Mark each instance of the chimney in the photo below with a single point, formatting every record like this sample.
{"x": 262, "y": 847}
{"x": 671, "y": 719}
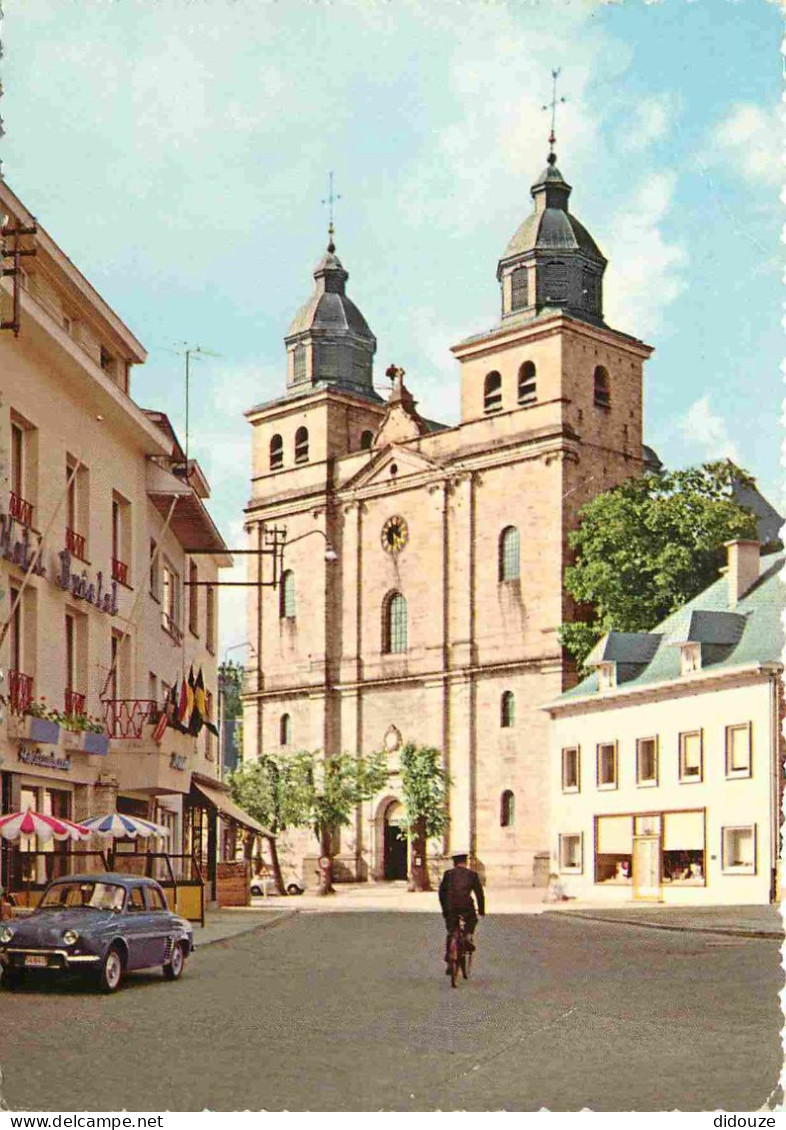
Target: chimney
{"x": 743, "y": 567}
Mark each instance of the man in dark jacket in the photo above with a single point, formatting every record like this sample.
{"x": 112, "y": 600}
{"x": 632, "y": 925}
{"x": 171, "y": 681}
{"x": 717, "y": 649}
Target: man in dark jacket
{"x": 455, "y": 897}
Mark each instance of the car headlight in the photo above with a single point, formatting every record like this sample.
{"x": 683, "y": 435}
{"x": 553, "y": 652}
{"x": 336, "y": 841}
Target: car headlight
{"x": 70, "y": 937}
{"x": 6, "y": 934}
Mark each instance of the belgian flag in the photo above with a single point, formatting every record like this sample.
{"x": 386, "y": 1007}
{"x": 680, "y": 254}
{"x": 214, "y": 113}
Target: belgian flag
{"x": 203, "y": 704}
{"x": 194, "y": 723}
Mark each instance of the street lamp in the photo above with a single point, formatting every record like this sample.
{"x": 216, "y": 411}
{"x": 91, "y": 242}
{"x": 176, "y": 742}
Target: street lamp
{"x": 330, "y": 554}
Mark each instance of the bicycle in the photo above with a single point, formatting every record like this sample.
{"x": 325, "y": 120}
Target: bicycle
{"x": 459, "y": 957}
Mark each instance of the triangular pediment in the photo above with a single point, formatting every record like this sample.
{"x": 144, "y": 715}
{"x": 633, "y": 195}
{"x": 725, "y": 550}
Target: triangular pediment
{"x": 380, "y": 467}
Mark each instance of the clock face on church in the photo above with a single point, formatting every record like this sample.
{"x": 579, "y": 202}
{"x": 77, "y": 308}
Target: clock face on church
{"x": 394, "y": 534}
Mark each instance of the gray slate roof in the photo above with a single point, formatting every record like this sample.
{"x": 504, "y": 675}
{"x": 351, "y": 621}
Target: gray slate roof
{"x": 757, "y": 638}
{"x": 552, "y": 230}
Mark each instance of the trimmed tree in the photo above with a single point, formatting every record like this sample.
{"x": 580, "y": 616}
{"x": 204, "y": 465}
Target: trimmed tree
{"x": 424, "y": 786}
{"x": 259, "y": 788}
{"x": 649, "y": 545}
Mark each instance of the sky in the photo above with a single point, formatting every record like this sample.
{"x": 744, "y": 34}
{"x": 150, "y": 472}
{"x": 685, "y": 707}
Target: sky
{"x": 179, "y": 151}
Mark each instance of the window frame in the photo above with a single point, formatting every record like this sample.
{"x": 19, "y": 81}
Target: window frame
{"x": 193, "y": 598}
{"x": 607, "y": 785}
{"x": 691, "y": 779}
{"x": 744, "y": 868}
{"x": 285, "y": 729}
{"x": 210, "y": 619}
{"x": 492, "y": 392}
{"x": 154, "y": 572}
{"x": 601, "y": 387}
{"x": 287, "y": 602}
{"x": 301, "y": 449}
{"x": 505, "y": 558}
{"x": 733, "y": 774}
{"x": 276, "y": 452}
{"x": 507, "y": 809}
{"x": 574, "y": 749}
{"x": 653, "y": 781}
{"x": 393, "y": 633}
{"x": 507, "y": 710}
{"x": 527, "y": 386}
{"x": 567, "y": 868}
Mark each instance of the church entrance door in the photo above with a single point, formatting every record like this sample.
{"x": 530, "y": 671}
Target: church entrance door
{"x": 395, "y": 848}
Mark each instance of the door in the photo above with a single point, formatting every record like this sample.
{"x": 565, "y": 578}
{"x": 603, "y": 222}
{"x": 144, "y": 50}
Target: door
{"x": 646, "y": 868}
{"x": 160, "y": 926}
{"x": 395, "y": 845}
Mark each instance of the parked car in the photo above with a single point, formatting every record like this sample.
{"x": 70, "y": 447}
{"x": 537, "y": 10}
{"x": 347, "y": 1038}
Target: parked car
{"x": 104, "y": 924}
{"x": 265, "y": 884}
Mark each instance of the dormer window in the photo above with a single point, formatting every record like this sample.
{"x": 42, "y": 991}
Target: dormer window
{"x": 607, "y": 676}
{"x": 690, "y": 658}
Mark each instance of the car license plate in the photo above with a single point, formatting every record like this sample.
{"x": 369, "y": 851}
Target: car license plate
{"x": 36, "y": 959}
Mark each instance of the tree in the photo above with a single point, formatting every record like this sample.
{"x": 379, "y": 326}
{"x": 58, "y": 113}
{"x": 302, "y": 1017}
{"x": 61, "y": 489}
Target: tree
{"x": 649, "y": 545}
{"x": 230, "y": 688}
{"x": 259, "y": 788}
{"x": 424, "y": 786}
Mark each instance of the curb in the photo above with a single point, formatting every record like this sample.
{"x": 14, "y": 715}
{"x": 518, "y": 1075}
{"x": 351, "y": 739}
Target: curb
{"x": 727, "y": 931}
{"x": 257, "y": 928}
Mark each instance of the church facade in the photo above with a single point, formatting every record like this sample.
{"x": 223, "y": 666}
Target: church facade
{"x": 427, "y": 606}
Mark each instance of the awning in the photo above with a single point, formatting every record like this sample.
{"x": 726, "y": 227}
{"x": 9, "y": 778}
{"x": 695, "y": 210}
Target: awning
{"x": 226, "y": 807}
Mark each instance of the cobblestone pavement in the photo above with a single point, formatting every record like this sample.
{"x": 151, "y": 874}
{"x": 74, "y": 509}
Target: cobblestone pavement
{"x": 352, "y": 1012}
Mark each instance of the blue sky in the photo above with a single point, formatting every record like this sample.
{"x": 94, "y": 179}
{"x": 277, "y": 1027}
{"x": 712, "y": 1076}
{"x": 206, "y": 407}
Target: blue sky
{"x": 179, "y": 152}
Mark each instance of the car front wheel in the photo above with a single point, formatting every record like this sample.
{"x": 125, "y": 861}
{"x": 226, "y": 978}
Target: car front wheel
{"x": 111, "y": 971}
{"x": 173, "y": 970}
{"x": 294, "y": 889}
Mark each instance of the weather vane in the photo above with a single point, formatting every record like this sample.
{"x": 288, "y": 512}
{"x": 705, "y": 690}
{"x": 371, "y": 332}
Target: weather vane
{"x": 330, "y": 200}
{"x": 552, "y": 105}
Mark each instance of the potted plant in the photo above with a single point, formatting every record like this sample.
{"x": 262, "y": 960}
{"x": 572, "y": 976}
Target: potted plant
{"x": 40, "y": 723}
{"x": 87, "y": 734}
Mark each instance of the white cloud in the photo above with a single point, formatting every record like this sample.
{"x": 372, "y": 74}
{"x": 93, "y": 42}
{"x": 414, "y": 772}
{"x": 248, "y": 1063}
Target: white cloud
{"x": 748, "y": 141}
{"x": 707, "y": 432}
{"x": 650, "y": 121}
{"x": 645, "y": 272}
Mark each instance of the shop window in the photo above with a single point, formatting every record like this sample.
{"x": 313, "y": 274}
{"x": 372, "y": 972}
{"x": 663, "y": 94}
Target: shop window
{"x": 507, "y": 710}
{"x": 647, "y": 761}
{"x": 614, "y": 849}
{"x": 509, "y": 554}
{"x": 286, "y": 605}
{"x": 691, "y": 756}
{"x": 492, "y": 392}
{"x": 683, "y": 848}
{"x": 739, "y": 849}
{"x": 285, "y": 730}
{"x": 738, "y": 751}
{"x": 570, "y": 853}
{"x": 276, "y": 453}
{"x": 601, "y": 387}
{"x": 607, "y": 765}
{"x": 507, "y": 810}
{"x": 527, "y": 383}
{"x": 570, "y": 770}
{"x": 301, "y": 445}
{"x": 394, "y": 624}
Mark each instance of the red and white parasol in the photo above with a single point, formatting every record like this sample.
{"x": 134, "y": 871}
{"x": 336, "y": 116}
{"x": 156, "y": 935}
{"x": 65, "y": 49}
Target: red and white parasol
{"x": 31, "y": 823}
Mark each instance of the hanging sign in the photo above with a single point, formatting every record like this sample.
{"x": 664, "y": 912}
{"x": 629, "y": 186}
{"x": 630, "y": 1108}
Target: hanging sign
{"x": 32, "y": 755}
{"x": 178, "y": 761}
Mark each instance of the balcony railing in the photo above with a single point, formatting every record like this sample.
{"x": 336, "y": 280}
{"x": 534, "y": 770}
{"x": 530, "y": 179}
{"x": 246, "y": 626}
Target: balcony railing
{"x": 74, "y": 703}
{"x": 125, "y": 717}
{"x": 19, "y": 509}
{"x": 75, "y": 543}
{"x": 119, "y": 571}
{"x": 20, "y": 691}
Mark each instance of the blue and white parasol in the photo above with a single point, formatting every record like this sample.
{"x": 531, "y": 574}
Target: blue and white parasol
{"x": 118, "y": 824}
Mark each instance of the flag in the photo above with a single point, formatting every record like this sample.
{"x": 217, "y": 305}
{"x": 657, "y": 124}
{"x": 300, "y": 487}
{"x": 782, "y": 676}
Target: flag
{"x": 161, "y": 725}
{"x": 171, "y": 707}
{"x": 189, "y": 690}
{"x": 183, "y": 708}
{"x": 200, "y": 707}
{"x": 208, "y": 707}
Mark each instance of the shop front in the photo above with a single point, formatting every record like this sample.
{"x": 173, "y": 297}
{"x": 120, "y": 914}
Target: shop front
{"x": 221, "y": 836}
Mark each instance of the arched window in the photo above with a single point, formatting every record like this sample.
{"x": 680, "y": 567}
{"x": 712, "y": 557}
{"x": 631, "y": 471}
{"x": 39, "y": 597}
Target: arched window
{"x": 366, "y": 441}
{"x": 507, "y": 809}
{"x": 519, "y": 291}
{"x": 285, "y": 730}
{"x": 602, "y": 388}
{"x": 507, "y": 710}
{"x": 492, "y": 392}
{"x": 301, "y": 445}
{"x": 276, "y": 453}
{"x": 286, "y": 607}
{"x": 527, "y": 383}
{"x": 394, "y": 625}
{"x": 509, "y": 569}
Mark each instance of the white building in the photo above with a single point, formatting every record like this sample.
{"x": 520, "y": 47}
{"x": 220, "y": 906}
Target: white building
{"x": 667, "y": 761}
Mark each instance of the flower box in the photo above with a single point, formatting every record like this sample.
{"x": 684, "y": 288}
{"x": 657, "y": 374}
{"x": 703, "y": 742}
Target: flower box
{"x": 29, "y": 728}
{"x": 87, "y": 741}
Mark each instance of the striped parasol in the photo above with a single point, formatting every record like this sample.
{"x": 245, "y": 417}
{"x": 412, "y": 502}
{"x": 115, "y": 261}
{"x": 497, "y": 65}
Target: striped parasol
{"x": 119, "y": 824}
{"x": 30, "y": 823}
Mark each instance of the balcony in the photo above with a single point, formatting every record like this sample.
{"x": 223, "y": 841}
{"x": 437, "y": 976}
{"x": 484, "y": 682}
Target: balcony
{"x": 126, "y": 717}
{"x": 20, "y": 510}
{"x": 74, "y": 703}
{"x": 75, "y": 544}
{"x": 20, "y": 692}
{"x": 119, "y": 571}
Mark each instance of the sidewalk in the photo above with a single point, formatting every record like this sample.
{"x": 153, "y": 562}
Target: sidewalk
{"x": 734, "y": 921}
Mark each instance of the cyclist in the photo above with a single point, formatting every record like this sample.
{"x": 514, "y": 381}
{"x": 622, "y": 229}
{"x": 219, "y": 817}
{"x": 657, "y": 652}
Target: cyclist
{"x": 458, "y": 886}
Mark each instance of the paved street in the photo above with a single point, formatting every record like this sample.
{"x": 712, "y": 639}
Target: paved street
{"x": 351, "y": 1012}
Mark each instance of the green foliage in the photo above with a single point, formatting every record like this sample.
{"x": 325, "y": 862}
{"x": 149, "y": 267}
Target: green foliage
{"x": 256, "y": 787}
{"x": 424, "y": 786}
{"x": 649, "y": 545}
{"x": 230, "y": 678}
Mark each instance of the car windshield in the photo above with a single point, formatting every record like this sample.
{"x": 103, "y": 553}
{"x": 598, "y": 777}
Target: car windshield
{"x": 89, "y": 895}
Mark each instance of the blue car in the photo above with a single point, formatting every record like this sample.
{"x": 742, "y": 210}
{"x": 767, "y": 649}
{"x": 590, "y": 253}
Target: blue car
{"x": 104, "y": 924}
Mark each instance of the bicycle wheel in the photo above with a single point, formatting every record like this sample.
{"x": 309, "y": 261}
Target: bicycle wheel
{"x": 467, "y": 965}
{"x": 453, "y": 963}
